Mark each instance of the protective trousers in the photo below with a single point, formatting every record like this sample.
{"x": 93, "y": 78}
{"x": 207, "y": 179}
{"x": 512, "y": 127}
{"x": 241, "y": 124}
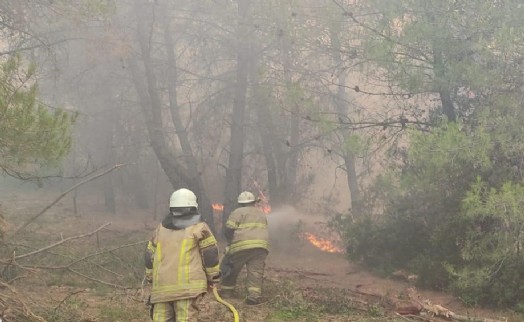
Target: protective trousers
{"x": 177, "y": 311}
{"x": 255, "y": 261}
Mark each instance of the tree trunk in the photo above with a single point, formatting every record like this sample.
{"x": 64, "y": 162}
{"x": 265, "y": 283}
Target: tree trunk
{"x": 440, "y": 77}
{"x": 181, "y": 170}
{"x": 152, "y": 105}
{"x": 341, "y": 103}
{"x": 179, "y": 174}
{"x": 196, "y": 184}
{"x": 267, "y": 130}
{"x": 442, "y": 88}
{"x": 139, "y": 191}
{"x": 108, "y": 127}
{"x": 281, "y": 159}
{"x": 236, "y": 155}
{"x": 290, "y": 162}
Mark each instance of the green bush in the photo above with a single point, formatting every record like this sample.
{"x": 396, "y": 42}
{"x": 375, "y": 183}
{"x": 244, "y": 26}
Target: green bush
{"x": 450, "y": 211}
{"x": 492, "y": 269}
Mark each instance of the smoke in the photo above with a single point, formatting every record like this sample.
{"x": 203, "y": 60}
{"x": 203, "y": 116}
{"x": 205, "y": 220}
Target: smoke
{"x": 292, "y": 232}
{"x": 285, "y": 226}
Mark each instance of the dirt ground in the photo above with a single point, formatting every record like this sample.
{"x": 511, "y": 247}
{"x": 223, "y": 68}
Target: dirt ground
{"x": 293, "y": 262}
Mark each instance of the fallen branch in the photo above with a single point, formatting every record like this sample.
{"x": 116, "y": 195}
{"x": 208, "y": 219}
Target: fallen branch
{"x": 68, "y": 267}
{"x": 61, "y": 242}
{"x": 65, "y": 299}
{"x": 73, "y": 260}
{"x": 62, "y": 195}
{"x": 13, "y": 307}
{"x": 96, "y": 279}
{"x": 440, "y": 311}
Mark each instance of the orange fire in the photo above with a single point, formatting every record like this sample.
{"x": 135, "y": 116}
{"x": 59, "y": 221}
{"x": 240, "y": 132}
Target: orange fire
{"x": 263, "y": 200}
{"x": 218, "y": 207}
{"x": 265, "y": 208}
{"x": 322, "y": 244}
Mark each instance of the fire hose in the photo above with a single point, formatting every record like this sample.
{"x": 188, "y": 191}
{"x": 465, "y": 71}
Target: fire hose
{"x": 217, "y": 297}
{"x": 226, "y": 304}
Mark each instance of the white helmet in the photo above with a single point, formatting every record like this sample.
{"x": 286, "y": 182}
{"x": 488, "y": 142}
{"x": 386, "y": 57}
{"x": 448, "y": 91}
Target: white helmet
{"x": 183, "y": 198}
{"x": 246, "y": 197}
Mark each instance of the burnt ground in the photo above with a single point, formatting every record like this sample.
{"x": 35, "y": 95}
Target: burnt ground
{"x": 303, "y": 283}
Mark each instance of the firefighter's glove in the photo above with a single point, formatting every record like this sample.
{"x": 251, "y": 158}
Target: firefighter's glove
{"x": 213, "y": 282}
{"x": 211, "y": 285}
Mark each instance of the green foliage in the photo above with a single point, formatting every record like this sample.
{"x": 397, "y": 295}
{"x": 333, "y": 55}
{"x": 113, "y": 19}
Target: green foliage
{"x": 353, "y": 143}
{"x": 492, "y": 245}
{"x": 31, "y": 135}
{"x": 448, "y": 209}
{"x": 292, "y": 302}
{"x": 86, "y": 8}
{"x": 424, "y": 198}
{"x": 435, "y": 161}
{"x": 424, "y": 47}
{"x": 453, "y": 215}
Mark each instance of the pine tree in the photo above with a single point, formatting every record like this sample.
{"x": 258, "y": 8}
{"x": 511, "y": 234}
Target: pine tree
{"x": 32, "y": 136}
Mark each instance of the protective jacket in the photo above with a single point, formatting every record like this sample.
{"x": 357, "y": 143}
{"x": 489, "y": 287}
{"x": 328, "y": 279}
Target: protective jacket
{"x": 246, "y": 228}
{"x": 181, "y": 259}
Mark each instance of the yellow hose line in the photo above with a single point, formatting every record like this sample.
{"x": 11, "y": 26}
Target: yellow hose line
{"x": 228, "y": 305}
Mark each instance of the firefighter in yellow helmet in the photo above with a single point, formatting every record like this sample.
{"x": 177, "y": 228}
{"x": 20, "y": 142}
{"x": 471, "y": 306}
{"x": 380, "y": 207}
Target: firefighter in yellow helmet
{"x": 247, "y": 237}
{"x": 181, "y": 261}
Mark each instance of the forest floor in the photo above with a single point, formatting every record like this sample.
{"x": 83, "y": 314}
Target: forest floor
{"x": 80, "y": 280}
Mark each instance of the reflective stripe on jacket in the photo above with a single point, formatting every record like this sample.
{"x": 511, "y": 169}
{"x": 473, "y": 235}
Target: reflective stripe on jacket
{"x": 178, "y": 270}
{"x": 250, "y": 226}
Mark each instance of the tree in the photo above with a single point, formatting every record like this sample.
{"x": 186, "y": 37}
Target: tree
{"x": 445, "y": 207}
{"x": 445, "y": 50}
{"x": 180, "y": 166}
{"x": 32, "y": 136}
{"x": 233, "y": 180}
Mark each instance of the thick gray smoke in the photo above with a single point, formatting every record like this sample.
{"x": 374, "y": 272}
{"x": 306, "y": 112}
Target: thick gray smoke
{"x": 285, "y": 227}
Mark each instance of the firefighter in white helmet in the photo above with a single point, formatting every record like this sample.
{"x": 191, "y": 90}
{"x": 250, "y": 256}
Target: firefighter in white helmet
{"x": 247, "y": 237}
{"x": 181, "y": 261}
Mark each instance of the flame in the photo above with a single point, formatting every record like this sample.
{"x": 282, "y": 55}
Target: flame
{"x": 265, "y": 208}
{"x": 263, "y": 203}
{"x": 218, "y": 207}
{"x": 322, "y": 244}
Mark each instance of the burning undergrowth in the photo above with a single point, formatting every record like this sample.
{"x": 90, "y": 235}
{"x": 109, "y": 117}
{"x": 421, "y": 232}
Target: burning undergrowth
{"x": 291, "y": 230}
{"x": 324, "y": 244}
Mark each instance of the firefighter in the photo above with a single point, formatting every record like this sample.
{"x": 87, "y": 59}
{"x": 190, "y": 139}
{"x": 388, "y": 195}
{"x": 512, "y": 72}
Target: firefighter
{"x": 181, "y": 261}
{"x": 247, "y": 238}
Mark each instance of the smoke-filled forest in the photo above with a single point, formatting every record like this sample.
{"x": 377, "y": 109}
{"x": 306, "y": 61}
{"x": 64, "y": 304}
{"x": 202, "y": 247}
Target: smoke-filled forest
{"x": 383, "y": 140}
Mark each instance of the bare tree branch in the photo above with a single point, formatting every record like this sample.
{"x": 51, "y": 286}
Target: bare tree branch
{"x": 96, "y": 279}
{"x": 17, "y": 50}
{"x": 77, "y": 260}
{"x": 61, "y": 242}
{"x": 68, "y": 296}
{"x": 63, "y": 195}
